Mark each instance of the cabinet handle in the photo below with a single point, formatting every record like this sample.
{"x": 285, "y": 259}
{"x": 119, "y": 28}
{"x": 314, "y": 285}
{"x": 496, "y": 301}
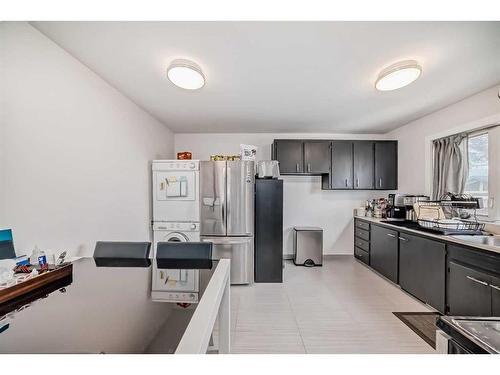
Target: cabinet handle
{"x": 297, "y": 167}
{"x": 495, "y": 287}
{"x": 309, "y": 167}
{"x": 346, "y": 183}
{"x": 392, "y": 235}
{"x": 380, "y": 182}
{"x": 477, "y": 281}
{"x": 357, "y": 182}
{"x": 403, "y": 239}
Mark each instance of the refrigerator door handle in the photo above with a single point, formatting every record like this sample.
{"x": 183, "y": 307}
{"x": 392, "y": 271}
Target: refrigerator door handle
{"x": 227, "y": 217}
{"x": 223, "y": 203}
{"x": 232, "y": 241}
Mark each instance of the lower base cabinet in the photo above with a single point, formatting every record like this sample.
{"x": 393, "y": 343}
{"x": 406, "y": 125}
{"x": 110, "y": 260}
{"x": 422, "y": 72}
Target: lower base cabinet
{"x": 362, "y": 255}
{"x": 384, "y": 252}
{"x": 469, "y": 291}
{"x": 453, "y": 279}
{"x": 422, "y": 269}
{"x": 495, "y": 296}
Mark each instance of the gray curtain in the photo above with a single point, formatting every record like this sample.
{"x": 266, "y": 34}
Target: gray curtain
{"x": 451, "y": 165}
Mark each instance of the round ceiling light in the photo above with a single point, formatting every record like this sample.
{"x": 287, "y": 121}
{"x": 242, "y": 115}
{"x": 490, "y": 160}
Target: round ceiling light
{"x": 398, "y": 75}
{"x": 186, "y": 74}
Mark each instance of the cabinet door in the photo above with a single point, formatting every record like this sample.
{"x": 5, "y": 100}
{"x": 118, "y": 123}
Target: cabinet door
{"x": 363, "y": 165}
{"x": 495, "y": 296}
{"x": 268, "y": 230}
{"x": 290, "y": 156}
{"x": 384, "y": 252}
{"x": 317, "y": 157}
{"x": 342, "y": 165}
{"x": 422, "y": 269}
{"x": 386, "y": 165}
{"x": 469, "y": 293}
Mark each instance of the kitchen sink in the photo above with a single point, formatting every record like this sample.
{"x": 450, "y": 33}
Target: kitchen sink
{"x": 483, "y": 240}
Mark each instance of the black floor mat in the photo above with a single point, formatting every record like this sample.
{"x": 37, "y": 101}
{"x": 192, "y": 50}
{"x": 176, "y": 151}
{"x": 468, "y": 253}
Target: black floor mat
{"x": 422, "y": 323}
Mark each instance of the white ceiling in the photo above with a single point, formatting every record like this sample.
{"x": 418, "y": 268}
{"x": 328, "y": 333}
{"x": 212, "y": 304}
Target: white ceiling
{"x": 286, "y": 76}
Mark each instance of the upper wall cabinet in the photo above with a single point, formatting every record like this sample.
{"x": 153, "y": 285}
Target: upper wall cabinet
{"x": 343, "y": 164}
{"x": 290, "y": 154}
{"x": 302, "y": 157}
{"x": 317, "y": 157}
{"x": 386, "y": 165}
{"x": 364, "y": 165}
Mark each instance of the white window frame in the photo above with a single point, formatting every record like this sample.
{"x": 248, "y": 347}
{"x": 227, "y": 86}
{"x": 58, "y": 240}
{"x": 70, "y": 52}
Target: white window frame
{"x": 490, "y": 215}
{"x": 492, "y": 122}
{"x": 494, "y": 174}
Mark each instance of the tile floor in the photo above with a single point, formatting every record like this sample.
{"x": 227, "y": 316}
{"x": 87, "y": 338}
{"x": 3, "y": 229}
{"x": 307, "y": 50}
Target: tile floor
{"x": 342, "y": 307}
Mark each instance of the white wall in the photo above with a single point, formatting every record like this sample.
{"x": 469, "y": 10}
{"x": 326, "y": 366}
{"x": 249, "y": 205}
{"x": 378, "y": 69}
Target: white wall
{"x": 414, "y": 138}
{"x": 305, "y": 204}
{"x": 75, "y": 152}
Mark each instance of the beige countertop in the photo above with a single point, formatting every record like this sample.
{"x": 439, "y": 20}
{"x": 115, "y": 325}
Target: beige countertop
{"x": 451, "y": 239}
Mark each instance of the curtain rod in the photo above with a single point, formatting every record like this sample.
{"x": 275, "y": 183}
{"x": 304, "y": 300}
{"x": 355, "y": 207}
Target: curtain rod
{"x": 486, "y": 127}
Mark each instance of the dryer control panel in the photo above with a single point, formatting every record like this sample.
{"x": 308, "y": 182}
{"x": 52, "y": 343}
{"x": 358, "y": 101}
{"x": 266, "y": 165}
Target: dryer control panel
{"x": 176, "y": 165}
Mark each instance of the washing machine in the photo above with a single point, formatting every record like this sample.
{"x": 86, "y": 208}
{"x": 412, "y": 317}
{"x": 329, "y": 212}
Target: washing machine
{"x": 175, "y": 285}
{"x": 175, "y": 232}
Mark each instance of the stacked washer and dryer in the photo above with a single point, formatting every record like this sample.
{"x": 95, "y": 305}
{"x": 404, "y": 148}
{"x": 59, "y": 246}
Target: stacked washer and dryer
{"x": 176, "y": 218}
{"x": 211, "y": 201}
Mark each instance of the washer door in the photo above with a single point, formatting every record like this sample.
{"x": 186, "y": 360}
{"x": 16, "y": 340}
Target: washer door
{"x": 175, "y": 237}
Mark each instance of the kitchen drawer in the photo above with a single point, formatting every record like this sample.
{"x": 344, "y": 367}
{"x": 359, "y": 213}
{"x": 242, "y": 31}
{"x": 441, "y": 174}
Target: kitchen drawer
{"x": 361, "y": 233}
{"x": 362, "y": 244}
{"x": 362, "y": 224}
{"x": 362, "y": 255}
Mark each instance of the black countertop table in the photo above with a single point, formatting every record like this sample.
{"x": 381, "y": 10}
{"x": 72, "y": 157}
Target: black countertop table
{"x": 100, "y": 309}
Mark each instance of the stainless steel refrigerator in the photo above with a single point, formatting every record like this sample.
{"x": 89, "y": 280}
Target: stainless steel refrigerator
{"x": 227, "y": 214}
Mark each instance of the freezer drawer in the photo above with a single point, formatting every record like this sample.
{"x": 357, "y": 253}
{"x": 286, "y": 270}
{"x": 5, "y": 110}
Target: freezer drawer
{"x": 240, "y": 250}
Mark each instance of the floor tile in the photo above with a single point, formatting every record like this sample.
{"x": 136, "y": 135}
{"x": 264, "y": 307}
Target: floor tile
{"x": 342, "y": 307}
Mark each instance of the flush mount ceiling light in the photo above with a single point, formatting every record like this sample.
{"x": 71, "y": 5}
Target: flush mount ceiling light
{"x": 398, "y": 75}
{"x": 186, "y": 74}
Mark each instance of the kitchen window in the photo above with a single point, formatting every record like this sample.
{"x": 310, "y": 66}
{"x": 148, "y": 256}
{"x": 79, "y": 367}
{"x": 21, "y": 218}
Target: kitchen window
{"x": 478, "y": 177}
{"x": 483, "y": 179}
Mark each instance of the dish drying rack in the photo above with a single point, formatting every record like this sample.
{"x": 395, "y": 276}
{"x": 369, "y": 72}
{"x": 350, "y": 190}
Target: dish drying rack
{"x": 449, "y": 215}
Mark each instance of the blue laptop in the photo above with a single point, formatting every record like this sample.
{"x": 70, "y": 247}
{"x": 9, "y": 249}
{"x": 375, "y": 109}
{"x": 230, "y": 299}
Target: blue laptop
{"x": 6, "y": 244}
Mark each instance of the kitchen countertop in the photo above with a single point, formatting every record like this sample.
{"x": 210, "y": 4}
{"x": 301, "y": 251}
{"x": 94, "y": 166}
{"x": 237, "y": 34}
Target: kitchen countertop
{"x": 451, "y": 239}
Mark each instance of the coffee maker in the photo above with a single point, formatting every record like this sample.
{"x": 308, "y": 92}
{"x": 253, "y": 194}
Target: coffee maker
{"x": 397, "y": 207}
{"x": 401, "y": 205}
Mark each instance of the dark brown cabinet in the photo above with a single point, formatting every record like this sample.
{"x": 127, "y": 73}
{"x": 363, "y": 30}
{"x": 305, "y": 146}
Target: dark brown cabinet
{"x": 268, "y": 231}
{"x": 469, "y": 291}
{"x": 473, "y": 285}
{"x": 384, "y": 252}
{"x": 495, "y": 296}
{"x": 386, "y": 165}
{"x": 342, "y": 165}
{"x": 454, "y": 279}
{"x": 364, "y": 164}
{"x": 362, "y": 241}
{"x": 290, "y": 154}
{"x": 422, "y": 269}
{"x": 317, "y": 157}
